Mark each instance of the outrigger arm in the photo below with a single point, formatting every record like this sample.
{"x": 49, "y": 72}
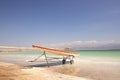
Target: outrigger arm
{"x": 44, "y": 54}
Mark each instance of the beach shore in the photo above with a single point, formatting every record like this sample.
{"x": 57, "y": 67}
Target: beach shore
{"x": 95, "y": 70}
{"x": 80, "y": 70}
{"x": 10, "y": 71}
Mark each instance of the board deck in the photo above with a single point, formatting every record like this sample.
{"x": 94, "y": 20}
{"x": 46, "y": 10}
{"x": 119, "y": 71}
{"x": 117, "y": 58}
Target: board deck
{"x": 54, "y": 51}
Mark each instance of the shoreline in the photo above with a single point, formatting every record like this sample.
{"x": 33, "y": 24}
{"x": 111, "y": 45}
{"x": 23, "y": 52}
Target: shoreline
{"x": 9, "y": 71}
{"x": 80, "y": 70}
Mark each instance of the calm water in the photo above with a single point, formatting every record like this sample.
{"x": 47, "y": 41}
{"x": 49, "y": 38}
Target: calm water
{"x": 112, "y": 55}
{"x": 109, "y": 55}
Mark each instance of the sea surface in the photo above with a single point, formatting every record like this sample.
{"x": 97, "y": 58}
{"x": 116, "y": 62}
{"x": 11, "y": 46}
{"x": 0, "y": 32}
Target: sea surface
{"x": 108, "y": 55}
{"x": 97, "y": 55}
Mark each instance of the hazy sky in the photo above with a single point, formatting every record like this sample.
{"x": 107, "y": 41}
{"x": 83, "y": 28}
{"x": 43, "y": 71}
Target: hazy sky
{"x": 27, "y": 22}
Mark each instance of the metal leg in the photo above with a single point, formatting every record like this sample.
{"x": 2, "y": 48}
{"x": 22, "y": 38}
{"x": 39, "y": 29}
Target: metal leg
{"x": 41, "y": 56}
{"x": 46, "y": 58}
{"x": 36, "y": 58}
{"x": 71, "y": 60}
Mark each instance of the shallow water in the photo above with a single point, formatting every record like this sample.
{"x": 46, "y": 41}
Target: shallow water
{"x": 109, "y": 55}
{"x": 23, "y": 57}
{"x": 82, "y": 68}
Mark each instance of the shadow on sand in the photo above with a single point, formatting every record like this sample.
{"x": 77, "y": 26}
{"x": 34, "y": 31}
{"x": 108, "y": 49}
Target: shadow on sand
{"x": 54, "y": 63}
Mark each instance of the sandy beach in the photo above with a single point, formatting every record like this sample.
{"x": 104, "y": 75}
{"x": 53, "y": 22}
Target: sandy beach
{"x": 13, "y": 72}
{"x": 95, "y": 70}
{"x": 80, "y": 70}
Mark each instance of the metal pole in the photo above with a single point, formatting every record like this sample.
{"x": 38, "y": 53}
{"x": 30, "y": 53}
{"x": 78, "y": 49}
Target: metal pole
{"x": 46, "y": 58}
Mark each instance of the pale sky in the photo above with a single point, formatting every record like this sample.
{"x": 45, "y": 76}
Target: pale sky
{"x": 44, "y": 22}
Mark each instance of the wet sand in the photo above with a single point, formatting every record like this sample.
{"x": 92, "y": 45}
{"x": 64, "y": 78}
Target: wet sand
{"x": 82, "y": 69}
{"x": 95, "y": 70}
{"x": 13, "y": 72}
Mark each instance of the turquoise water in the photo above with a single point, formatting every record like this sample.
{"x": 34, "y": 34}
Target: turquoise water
{"x": 112, "y": 55}
{"x": 109, "y": 55}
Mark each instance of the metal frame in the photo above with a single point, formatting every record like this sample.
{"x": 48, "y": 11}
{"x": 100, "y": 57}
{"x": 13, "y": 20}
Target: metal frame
{"x": 46, "y": 58}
